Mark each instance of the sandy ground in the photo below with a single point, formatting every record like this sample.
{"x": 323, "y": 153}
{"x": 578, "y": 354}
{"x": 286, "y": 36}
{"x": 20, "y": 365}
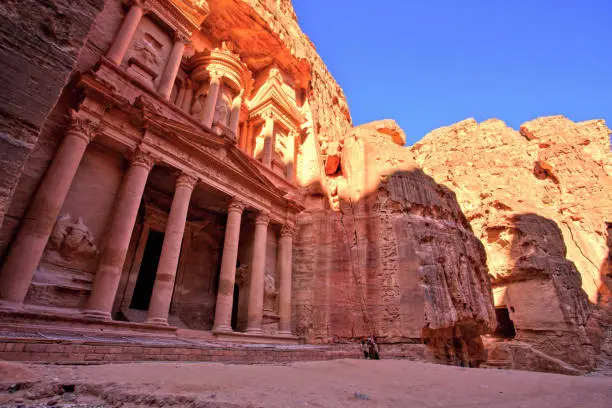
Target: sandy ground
{"x": 341, "y": 383}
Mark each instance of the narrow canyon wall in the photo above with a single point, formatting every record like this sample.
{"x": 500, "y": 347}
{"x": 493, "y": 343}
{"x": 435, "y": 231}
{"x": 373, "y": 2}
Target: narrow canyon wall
{"x": 40, "y": 42}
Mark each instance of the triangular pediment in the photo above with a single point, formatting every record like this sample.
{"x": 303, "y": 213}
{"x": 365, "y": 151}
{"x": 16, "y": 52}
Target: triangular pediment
{"x": 215, "y": 149}
{"x": 272, "y": 92}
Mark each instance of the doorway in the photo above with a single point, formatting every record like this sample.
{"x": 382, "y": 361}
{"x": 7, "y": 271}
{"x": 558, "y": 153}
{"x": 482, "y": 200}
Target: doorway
{"x": 505, "y": 327}
{"x": 235, "y": 307}
{"x": 148, "y": 271}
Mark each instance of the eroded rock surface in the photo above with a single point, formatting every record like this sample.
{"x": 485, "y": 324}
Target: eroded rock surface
{"x": 40, "y": 43}
{"x": 538, "y": 199}
{"x": 398, "y": 260}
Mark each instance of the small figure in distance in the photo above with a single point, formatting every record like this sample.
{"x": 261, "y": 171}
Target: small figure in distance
{"x": 366, "y": 349}
{"x": 373, "y": 349}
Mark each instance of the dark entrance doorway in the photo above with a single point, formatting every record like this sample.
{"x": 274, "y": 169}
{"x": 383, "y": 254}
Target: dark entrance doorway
{"x": 148, "y": 270}
{"x": 505, "y": 326}
{"x": 235, "y": 307}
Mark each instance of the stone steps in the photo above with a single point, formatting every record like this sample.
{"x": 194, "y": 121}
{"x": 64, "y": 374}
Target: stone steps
{"x": 78, "y": 348}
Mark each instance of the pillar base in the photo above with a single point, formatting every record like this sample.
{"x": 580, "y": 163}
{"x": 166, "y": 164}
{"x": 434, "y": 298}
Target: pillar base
{"x": 158, "y": 321}
{"x": 256, "y": 330}
{"x": 96, "y": 315}
{"x": 222, "y": 329}
{"x": 284, "y": 333}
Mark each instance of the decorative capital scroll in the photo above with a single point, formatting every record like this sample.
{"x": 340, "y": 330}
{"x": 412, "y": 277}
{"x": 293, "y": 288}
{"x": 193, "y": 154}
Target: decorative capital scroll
{"x": 236, "y": 205}
{"x": 288, "y": 230}
{"x": 262, "y": 218}
{"x": 141, "y": 158}
{"x": 187, "y": 181}
{"x": 83, "y": 128}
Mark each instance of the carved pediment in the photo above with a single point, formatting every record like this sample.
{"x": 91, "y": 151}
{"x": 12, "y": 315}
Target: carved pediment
{"x": 272, "y": 94}
{"x": 224, "y": 158}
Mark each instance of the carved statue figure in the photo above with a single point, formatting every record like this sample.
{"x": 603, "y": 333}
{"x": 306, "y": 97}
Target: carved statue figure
{"x": 198, "y": 105}
{"x": 72, "y": 239}
{"x": 270, "y": 293}
{"x": 222, "y": 113}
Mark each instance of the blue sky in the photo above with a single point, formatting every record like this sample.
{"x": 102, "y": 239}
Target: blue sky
{"x": 431, "y": 63}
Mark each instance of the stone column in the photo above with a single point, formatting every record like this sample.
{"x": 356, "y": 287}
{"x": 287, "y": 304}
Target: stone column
{"x": 171, "y": 250}
{"x": 117, "y": 241}
{"x": 290, "y": 154}
{"x": 242, "y": 140}
{"x": 24, "y": 254}
{"x": 172, "y": 66}
{"x": 235, "y": 115}
{"x": 225, "y": 294}
{"x": 186, "y": 103}
{"x": 268, "y": 135}
{"x": 126, "y": 32}
{"x": 285, "y": 253}
{"x": 258, "y": 263}
{"x": 208, "y": 113}
{"x": 180, "y": 96}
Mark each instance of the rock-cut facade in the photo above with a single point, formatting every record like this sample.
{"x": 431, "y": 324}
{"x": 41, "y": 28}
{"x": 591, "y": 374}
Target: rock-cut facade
{"x": 191, "y": 165}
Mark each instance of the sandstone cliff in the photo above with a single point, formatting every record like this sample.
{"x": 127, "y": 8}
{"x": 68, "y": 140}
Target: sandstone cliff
{"x": 553, "y": 167}
{"x": 397, "y": 260}
{"x": 538, "y": 199}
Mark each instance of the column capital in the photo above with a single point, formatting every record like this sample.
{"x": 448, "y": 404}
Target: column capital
{"x": 83, "y": 128}
{"x": 215, "y": 76}
{"x": 262, "y": 218}
{"x": 236, "y": 205}
{"x": 288, "y": 230}
{"x": 186, "y": 180}
{"x": 143, "y": 4}
{"x": 141, "y": 158}
{"x": 181, "y": 37}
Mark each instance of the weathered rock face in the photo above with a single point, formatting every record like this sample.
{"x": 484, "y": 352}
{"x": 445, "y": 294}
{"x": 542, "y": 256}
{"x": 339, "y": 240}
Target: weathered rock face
{"x": 40, "y": 43}
{"x": 538, "y": 199}
{"x": 398, "y": 260}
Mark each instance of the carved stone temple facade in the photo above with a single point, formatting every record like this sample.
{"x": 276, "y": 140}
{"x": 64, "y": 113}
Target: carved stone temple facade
{"x": 189, "y": 169}
{"x": 168, "y": 192}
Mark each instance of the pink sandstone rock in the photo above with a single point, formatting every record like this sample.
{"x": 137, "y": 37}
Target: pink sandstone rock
{"x": 538, "y": 199}
{"x": 398, "y": 260}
